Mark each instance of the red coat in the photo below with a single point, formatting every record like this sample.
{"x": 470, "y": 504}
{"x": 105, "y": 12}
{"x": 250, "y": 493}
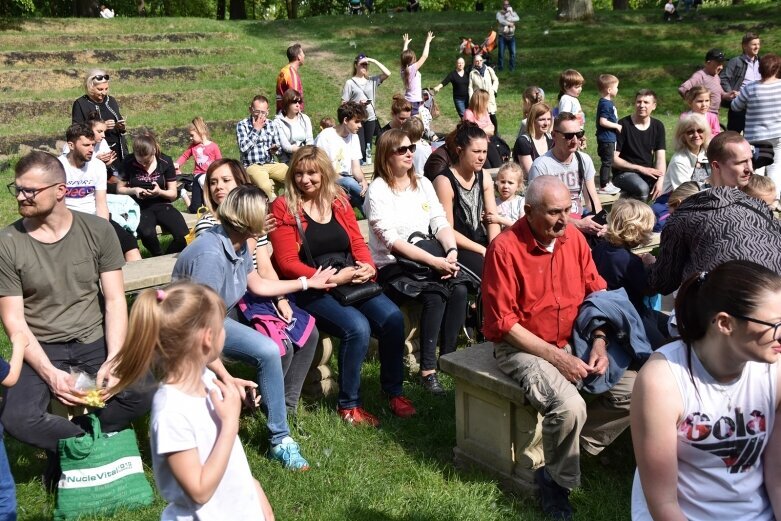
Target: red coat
{"x": 287, "y": 242}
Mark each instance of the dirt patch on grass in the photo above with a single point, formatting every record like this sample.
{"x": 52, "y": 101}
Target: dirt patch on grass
{"x": 62, "y": 79}
{"x": 46, "y": 59}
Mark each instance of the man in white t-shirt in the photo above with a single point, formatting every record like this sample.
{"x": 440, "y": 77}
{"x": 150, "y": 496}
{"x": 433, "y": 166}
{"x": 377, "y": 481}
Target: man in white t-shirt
{"x": 343, "y": 147}
{"x": 86, "y": 179}
{"x": 574, "y": 168}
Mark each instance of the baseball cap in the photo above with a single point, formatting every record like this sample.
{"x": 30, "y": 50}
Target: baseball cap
{"x": 714, "y": 54}
{"x": 361, "y": 58}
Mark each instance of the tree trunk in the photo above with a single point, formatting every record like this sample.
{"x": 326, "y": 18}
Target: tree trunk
{"x": 620, "y": 5}
{"x": 238, "y": 10}
{"x": 573, "y": 10}
{"x": 292, "y": 8}
{"x": 220, "y": 9}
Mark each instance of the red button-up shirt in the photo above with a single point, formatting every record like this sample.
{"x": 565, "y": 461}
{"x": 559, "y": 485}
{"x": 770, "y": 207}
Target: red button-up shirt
{"x": 523, "y": 283}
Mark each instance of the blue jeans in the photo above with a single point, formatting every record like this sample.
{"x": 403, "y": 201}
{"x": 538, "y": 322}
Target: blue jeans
{"x": 353, "y": 189}
{"x": 7, "y": 488}
{"x": 353, "y": 325}
{"x": 460, "y": 105}
{"x": 245, "y": 344}
{"x": 509, "y": 44}
{"x": 634, "y": 185}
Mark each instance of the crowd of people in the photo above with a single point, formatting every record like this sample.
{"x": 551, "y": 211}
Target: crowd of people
{"x": 512, "y": 244}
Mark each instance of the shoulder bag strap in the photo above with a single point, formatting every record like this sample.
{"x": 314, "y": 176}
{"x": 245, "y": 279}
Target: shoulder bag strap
{"x": 374, "y": 91}
{"x": 303, "y": 240}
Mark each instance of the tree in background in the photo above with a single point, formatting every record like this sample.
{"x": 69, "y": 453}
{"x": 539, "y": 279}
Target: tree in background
{"x": 572, "y": 10}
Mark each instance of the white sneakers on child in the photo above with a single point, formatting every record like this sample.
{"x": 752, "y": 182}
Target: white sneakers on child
{"x": 609, "y": 189}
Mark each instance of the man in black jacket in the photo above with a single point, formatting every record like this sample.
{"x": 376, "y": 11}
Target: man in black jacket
{"x": 739, "y": 71}
{"x": 718, "y": 224}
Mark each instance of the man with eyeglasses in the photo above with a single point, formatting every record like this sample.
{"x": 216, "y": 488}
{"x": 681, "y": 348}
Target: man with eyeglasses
{"x": 61, "y": 287}
{"x": 719, "y": 224}
{"x": 639, "y": 160}
{"x": 574, "y": 168}
{"x": 258, "y": 139}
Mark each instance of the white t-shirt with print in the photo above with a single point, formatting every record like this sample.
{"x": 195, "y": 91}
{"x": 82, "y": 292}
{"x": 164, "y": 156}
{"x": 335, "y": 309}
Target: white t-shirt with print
{"x": 182, "y": 422}
{"x": 547, "y": 164}
{"x": 82, "y": 183}
{"x": 342, "y": 151}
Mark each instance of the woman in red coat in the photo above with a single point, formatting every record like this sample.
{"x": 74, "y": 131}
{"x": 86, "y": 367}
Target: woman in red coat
{"x": 334, "y": 239}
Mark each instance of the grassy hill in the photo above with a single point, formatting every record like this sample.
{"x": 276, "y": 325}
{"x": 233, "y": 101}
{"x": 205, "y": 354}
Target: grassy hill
{"x": 166, "y": 71}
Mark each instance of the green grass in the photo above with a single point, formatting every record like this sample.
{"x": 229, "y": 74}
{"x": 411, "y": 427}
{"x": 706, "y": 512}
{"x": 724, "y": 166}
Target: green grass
{"x": 403, "y": 471}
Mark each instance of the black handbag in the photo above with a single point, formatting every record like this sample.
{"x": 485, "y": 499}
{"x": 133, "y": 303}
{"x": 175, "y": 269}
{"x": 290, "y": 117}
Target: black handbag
{"x": 418, "y": 270}
{"x": 347, "y": 294}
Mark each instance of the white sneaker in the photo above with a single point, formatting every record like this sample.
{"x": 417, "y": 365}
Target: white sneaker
{"x": 609, "y": 189}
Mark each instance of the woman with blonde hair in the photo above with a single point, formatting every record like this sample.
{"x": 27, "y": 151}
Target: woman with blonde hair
{"x": 221, "y": 258}
{"x": 316, "y": 227}
{"x": 630, "y": 225}
{"x": 477, "y": 113}
{"x": 97, "y": 99}
{"x": 537, "y": 139}
{"x": 401, "y": 208}
{"x": 689, "y": 162}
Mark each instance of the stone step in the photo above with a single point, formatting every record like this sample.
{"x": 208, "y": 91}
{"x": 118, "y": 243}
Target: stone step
{"x": 102, "y": 57}
{"x": 95, "y": 41}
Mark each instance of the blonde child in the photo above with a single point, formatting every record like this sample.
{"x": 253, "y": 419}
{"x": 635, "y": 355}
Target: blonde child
{"x": 570, "y": 86}
{"x": 9, "y": 374}
{"x": 698, "y": 99}
{"x": 630, "y": 225}
{"x": 198, "y": 461}
{"x": 509, "y": 204}
{"x": 763, "y": 188}
{"x": 204, "y": 152}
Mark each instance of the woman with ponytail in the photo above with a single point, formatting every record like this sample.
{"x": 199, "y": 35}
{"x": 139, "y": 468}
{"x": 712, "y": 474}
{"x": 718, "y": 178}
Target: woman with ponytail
{"x": 704, "y": 406}
{"x": 199, "y": 463}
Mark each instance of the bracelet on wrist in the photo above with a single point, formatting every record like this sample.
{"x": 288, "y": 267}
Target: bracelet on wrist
{"x": 449, "y": 250}
{"x": 304, "y": 283}
{"x": 601, "y": 336}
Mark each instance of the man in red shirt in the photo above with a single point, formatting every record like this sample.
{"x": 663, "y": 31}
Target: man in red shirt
{"x": 288, "y": 77}
{"x": 536, "y": 275}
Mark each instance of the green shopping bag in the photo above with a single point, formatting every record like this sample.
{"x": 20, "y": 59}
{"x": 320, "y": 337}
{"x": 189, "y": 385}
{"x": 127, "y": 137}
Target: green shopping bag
{"x": 101, "y": 473}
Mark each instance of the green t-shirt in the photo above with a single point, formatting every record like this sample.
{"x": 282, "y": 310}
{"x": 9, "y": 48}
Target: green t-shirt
{"x": 60, "y": 281}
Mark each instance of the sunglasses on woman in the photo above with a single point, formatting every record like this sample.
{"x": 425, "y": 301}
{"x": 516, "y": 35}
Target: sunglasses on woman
{"x": 403, "y": 150}
{"x": 297, "y": 100}
{"x": 693, "y": 131}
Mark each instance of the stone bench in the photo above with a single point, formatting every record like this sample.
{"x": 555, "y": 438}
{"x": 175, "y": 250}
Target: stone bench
{"x": 496, "y": 430}
{"x": 148, "y": 273}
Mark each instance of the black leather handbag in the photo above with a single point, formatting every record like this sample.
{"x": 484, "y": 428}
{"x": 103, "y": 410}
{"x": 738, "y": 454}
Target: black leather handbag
{"x": 346, "y": 294}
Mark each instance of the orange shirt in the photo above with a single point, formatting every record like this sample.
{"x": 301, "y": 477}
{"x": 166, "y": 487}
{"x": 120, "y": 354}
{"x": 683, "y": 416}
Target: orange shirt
{"x": 288, "y": 78}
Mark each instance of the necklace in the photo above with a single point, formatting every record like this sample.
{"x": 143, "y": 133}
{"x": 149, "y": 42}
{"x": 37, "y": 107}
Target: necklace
{"x": 722, "y": 389}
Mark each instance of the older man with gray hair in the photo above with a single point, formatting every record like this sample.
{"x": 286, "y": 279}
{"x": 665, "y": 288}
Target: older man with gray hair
{"x": 536, "y": 275}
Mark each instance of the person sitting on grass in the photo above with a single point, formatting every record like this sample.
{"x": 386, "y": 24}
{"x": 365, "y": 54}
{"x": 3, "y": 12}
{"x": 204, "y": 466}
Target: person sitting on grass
{"x": 199, "y": 463}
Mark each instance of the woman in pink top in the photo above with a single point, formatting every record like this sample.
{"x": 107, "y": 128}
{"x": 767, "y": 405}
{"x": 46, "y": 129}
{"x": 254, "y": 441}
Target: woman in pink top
{"x": 204, "y": 153}
{"x": 410, "y": 71}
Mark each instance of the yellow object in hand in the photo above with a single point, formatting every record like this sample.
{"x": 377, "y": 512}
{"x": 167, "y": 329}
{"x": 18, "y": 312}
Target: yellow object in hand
{"x": 93, "y": 399}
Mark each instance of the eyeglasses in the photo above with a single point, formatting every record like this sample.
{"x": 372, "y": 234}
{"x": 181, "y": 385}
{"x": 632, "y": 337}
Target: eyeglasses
{"x": 693, "y": 131}
{"x": 298, "y": 100}
{"x": 259, "y": 113}
{"x": 569, "y": 135}
{"x": 764, "y": 323}
{"x": 101, "y": 77}
{"x": 403, "y": 150}
{"x": 28, "y": 193}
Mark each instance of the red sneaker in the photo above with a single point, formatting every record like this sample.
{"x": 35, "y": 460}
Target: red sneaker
{"x": 358, "y": 416}
{"x": 401, "y": 406}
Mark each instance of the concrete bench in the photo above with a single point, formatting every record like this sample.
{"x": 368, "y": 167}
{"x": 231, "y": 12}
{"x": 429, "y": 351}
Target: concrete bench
{"x": 496, "y": 430}
{"x": 148, "y": 273}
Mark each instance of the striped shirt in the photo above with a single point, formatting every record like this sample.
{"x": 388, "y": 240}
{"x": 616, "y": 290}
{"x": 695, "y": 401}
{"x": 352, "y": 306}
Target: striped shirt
{"x": 762, "y": 103}
{"x": 208, "y": 221}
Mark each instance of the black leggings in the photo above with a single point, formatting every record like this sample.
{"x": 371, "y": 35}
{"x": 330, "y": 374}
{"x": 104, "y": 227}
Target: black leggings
{"x": 441, "y": 320}
{"x": 170, "y": 220}
{"x": 365, "y": 135}
{"x": 127, "y": 240}
{"x": 24, "y": 408}
{"x": 196, "y": 195}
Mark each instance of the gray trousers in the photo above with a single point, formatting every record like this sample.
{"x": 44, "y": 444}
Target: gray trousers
{"x": 568, "y": 421}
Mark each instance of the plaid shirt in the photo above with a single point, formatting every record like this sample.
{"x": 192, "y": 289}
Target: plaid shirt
{"x": 254, "y": 144}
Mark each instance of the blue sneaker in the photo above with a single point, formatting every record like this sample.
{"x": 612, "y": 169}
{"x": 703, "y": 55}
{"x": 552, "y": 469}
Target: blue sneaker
{"x": 288, "y": 453}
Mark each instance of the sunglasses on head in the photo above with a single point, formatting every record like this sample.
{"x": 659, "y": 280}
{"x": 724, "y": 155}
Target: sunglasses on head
{"x": 569, "y": 135}
{"x": 100, "y": 77}
{"x": 400, "y": 151}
